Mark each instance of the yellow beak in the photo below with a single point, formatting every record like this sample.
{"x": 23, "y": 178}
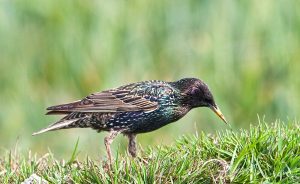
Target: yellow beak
{"x": 219, "y": 113}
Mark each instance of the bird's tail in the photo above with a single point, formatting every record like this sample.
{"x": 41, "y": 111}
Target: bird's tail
{"x": 72, "y": 120}
{"x": 58, "y": 125}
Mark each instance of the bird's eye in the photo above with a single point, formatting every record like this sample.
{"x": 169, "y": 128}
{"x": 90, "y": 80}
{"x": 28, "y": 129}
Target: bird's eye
{"x": 195, "y": 91}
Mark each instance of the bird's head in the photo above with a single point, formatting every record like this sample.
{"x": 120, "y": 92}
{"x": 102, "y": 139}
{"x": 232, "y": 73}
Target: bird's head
{"x": 199, "y": 95}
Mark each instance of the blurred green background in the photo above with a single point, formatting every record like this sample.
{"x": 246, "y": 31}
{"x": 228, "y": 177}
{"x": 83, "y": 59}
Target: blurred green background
{"x": 54, "y": 51}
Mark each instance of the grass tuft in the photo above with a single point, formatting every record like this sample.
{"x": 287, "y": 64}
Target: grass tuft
{"x": 74, "y": 153}
{"x": 264, "y": 154}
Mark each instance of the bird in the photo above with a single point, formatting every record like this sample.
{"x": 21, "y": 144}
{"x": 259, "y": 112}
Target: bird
{"x": 134, "y": 109}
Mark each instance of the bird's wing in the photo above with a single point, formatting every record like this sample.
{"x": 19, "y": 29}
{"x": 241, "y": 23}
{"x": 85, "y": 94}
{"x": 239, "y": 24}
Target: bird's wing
{"x": 116, "y": 100}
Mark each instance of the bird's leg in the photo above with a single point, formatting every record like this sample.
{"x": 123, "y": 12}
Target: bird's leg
{"x": 132, "y": 144}
{"x": 107, "y": 141}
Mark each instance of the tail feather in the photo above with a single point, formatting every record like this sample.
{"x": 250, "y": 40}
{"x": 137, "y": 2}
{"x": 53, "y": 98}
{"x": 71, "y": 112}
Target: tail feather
{"x": 56, "y": 126}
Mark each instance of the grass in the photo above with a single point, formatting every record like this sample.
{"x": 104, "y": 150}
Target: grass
{"x": 264, "y": 154}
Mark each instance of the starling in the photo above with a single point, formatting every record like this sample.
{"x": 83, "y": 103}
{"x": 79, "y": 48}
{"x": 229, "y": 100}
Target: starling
{"x": 134, "y": 108}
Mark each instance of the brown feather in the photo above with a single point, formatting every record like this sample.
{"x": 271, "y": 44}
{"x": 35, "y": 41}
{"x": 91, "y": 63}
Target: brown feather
{"x": 106, "y": 101}
{"x": 57, "y": 112}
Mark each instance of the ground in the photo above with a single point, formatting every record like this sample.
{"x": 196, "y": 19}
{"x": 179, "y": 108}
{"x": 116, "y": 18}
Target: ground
{"x": 267, "y": 153}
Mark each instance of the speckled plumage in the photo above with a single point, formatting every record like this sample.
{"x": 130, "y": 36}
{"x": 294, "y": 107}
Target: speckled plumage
{"x": 134, "y": 108}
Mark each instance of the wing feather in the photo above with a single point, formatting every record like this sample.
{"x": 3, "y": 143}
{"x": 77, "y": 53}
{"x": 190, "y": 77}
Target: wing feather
{"x": 107, "y": 101}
